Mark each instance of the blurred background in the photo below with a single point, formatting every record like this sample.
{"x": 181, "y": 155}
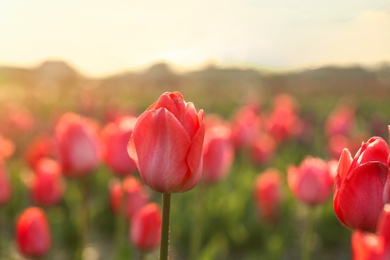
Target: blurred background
{"x": 106, "y": 59}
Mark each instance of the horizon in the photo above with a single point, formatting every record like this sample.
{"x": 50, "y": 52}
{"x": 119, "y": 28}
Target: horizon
{"x": 99, "y": 38}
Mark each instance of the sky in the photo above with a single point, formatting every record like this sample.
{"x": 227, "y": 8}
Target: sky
{"x": 102, "y": 37}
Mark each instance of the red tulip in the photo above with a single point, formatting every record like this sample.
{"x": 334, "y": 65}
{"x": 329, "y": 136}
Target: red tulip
{"x": 5, "y": 186}
{"x": 268, "y": 194}
{"x": 47, "y": 187}
{"x": 115, "y": 138}
{"x": 77, "y": 145}
{"x": 146, "y": 228}
{"x": 33, "y": 233}
{"x": 218, "y": 153}
{"x": 245, "y": 126}
{"x": 262, "y": 149}
{"x": 359, "y": 194}
{"x": 135, "y": 196}
{"x": 167, "y": 143}
{"x": 41, "y": 146}
{"x": 311, "y": 182}
{"x": 369, "y": 246}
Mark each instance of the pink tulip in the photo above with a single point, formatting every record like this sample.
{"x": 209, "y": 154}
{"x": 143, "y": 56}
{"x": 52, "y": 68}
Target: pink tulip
{"x": 33, "y": 233}
{"x": 77, "y": 145}
{"x": 115, "y": 138}
{"x": 47, "y": 187}
{"x": 218, "y": 153}
{"x": 167, "y": 143}
{"x": 370, "y": 246}
{"x": 262, "y": 149}
{"x": 5, "y": 186}
{"x": 245, "y": 126}
{"x": 359, "y": 193}
{"x": 311, "y": 182}
{"x": 146, "y": 228}
{"x": 268, "y": 195}
{"x": 135, "y": 196}
{"x": 42, "y": 146}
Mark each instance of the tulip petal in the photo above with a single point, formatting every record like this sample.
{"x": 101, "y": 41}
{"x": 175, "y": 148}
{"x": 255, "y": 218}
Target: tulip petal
{"x": 359, "y": 200}
{"x": 173, "y": 102}
{"x": 161, "y": 144}
{"x": 194, "y": 160}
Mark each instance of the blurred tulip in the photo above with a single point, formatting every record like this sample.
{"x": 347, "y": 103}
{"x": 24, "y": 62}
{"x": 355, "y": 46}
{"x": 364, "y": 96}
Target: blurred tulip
{"x": 268, "y": 195}
{"x": 115, "y": 138}
{"x": 135, "y": 196}
{"x": 369, "y": 246}
{"x": 146, "y": 228}
{"x": 5, "y": 186}
{"x": 7, "y": 148}
{"x": 42, "y": 146}
{"x": 33, "y": 233}
{"x": 78, "y": 147}
{"x": 359, "y": 194}
{"x": 311, "y": 182}
{"x": 167, "y": 143}
{"x": 218, "y": 153}
{"x": 245, "y": 126}
{"x": 47, "y": 187}
{"x": 340, "y": 121}
{"x": 262, "y": 148}
{"x": 283, "y": 121}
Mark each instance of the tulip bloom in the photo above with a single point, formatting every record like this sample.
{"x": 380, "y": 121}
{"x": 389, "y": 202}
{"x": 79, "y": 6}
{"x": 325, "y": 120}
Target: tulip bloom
{"x": 359, "y": 193}
{"x": 115, "y": 138}
{"x": 167, "y": 143}
{"x": 369, "y": 246}
{"x": 42, "y": 146}
{"x": 5, "y": 186}
{"x": 218, "y": 153}
{"x": 262, "y": 149}
{"x": 135, "y": 196}
{"x": 33, "y": 233}
{"x": 311, "y": 182}
{"x": 47, "y": 187}
{"x": 146, "y": 228}
{"x": 268, "y": 194}
{"x": 77, "y": 145}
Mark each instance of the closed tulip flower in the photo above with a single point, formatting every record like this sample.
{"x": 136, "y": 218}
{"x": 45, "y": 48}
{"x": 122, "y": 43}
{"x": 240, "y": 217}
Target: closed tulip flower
{"x": 77, "y": 145}
{"x": 268, "y": 195}
{"x": 311, "y": 182}
{"x": 359, "y": 193}
{"x": 167, "y": 143}
{"x": 218, "y": 153}
{"x": 146, "y": 228}
{"x": 115, "y": 138}
{"x": 47, "y": 187}
{"x": 33, "y": 233}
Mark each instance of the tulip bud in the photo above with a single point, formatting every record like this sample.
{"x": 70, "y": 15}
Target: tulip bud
{"x": 47, "y": 187}
{"x": 115, "y": 138}
{"x": 167, "y": 143}
{"x": 77, "y": 145}
{"x": 268, "y": 195}
{"x": 218, "y": 153}
{"x": 311, "y": 182}
{"x": 33, "y": 233}
{"x": 359, "y": 193}
{"x": 146, "y": 228}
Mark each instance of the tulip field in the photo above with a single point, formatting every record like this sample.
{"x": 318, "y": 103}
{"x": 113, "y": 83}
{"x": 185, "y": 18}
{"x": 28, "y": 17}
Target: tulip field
{"x": 173, "y": 172}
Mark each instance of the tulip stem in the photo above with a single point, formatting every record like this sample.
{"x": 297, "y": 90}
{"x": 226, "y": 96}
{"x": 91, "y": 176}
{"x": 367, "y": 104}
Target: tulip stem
{"x": 84, "y": 215}
{"x": 164, "y": 246}
{"x": 308, "y": 235}
{"x": 121, "y": 227}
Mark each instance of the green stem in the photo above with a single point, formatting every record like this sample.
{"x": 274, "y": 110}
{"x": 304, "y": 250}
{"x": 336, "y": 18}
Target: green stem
{"x": 308, "y": 235}
{"x": 164, "y": 246}
{"x": 196, "y": 234}
{"x": 84, "y": 216}
{"x": 121, "y": 228}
